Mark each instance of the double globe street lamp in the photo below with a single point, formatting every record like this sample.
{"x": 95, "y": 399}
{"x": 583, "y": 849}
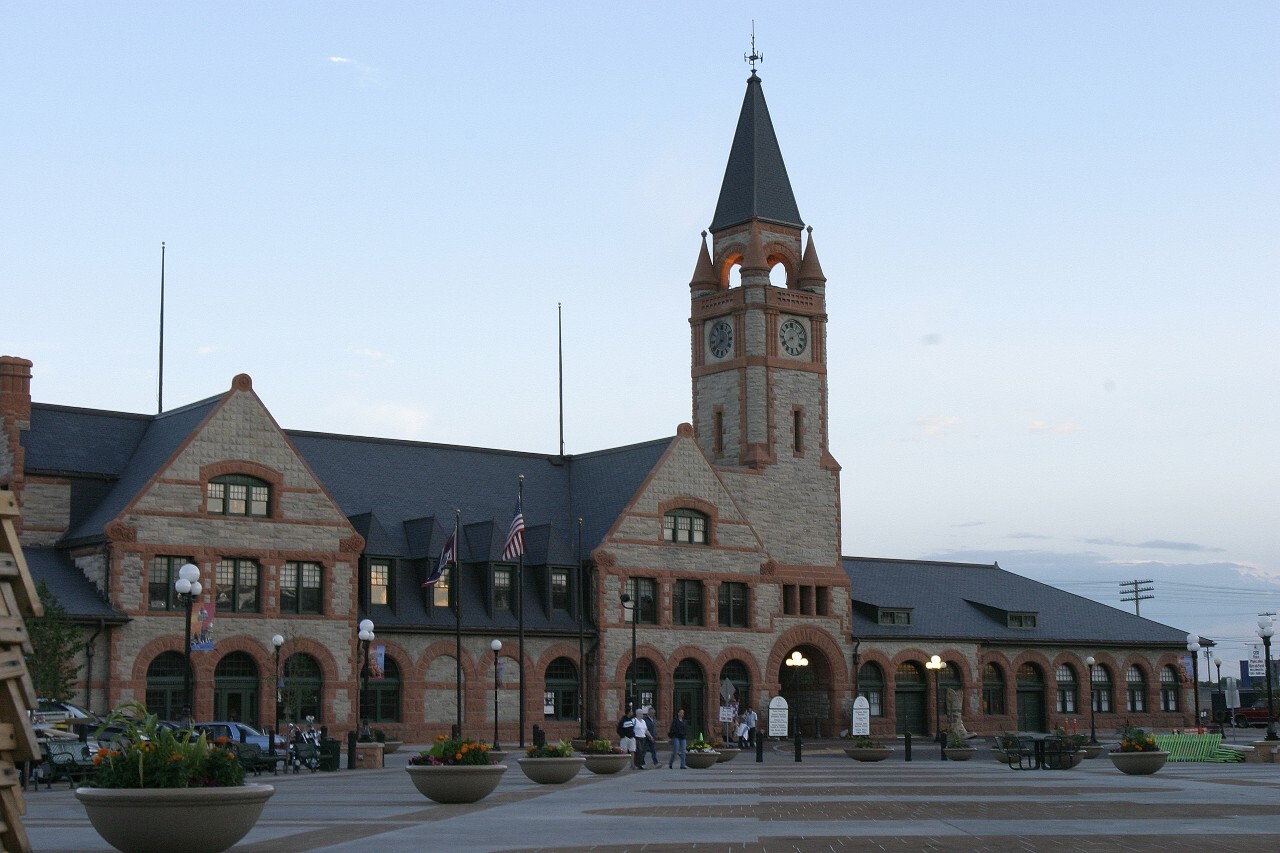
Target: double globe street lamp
{"x": 1193, "y": 646}
{"x": 188, "y": 588}
{"x": 496, "y": 645}
{"x": 277, "y": 641}
{"x": 1093, "y": 701}
{"x": 935, "y": 663}
{"x": 1266, "y": 630}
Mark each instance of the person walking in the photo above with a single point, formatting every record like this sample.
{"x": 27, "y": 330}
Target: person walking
{"x": 640, "y": 733}
{"x": 626, "y": 735}
{"x": 679, "y": 734}
{"x": 652, "y": 742}
{"x": 752, "y": 720}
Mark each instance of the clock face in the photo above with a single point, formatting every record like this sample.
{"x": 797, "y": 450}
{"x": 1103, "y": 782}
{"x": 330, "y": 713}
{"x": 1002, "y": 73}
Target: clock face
{"x": 793, "y": 336}
{"x": 721, "y": 341}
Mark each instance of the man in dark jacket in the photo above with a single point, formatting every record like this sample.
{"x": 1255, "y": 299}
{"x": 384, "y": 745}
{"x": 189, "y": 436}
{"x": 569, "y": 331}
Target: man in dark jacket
{"x": 626, "y": 734}
{"x": 679, "y": 734}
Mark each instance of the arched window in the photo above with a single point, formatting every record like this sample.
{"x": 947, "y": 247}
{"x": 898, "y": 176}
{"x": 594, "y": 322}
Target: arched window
{"x": 302, "y": 688}
{"x": 871, "y": 686}
{"x": 237, "y": 494}
{"x": 560, "y": 692}
{"x": 166, "y": 685}
{"x": 1101, "y": 689}
{"x": 380, "y": 699}
{"x": 646, "y": 683}
{"x": 737, "y": 674}
{"x": 1136, "y": 684}
{"x": 992, "y": 690}
{"x": 235, "y": 688}
{"x": 1168, "y": 689}
{"x": 1067, "y": 689}
{"x": 685, "y": 525}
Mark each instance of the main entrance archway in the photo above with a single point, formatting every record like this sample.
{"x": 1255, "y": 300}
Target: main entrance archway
{"x": 808, "y": 691}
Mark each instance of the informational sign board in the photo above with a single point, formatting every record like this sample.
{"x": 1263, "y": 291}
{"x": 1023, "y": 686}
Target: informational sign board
{"x": 1257, "y": 666}
{"x": 1231, "y": 691}
{"x": 777, "y": 717}
{"x": 728, "y": 713}
{"x": 861, "y": 717}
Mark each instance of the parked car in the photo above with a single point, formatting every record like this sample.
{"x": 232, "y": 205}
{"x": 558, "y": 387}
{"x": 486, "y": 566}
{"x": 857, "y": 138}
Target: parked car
{"x": 1253, "y": 715}
{"x": 237, "y": 732}
{"x": 60, "y": 715}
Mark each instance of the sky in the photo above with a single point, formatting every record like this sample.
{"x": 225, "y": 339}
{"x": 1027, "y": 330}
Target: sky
{"x": 1050, "y": 233}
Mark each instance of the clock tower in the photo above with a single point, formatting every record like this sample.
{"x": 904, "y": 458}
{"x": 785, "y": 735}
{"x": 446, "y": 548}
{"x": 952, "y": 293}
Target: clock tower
{"x": 759, "y": 349}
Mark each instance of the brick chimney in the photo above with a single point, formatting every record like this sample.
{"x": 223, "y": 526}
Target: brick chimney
{"x": 15, "y": 416}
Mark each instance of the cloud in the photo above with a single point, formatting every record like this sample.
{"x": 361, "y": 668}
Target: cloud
{"x": 366, "y": 73}
{"x": 1163, "y": 544}
{"x": 969, "y": 524}
{"x": 1028, "y": 536}
{"x": 371, "y": 354}
{"x": 207, "y": 349}
{"x": 934, "y": 426}
{"x": 1045, "y": 426}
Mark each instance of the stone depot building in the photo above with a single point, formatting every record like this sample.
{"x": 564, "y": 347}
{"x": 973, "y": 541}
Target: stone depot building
{"x": 725, "y": 538}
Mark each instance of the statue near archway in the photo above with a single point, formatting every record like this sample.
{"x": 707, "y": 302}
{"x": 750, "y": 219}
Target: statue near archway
{"x": 955, "y": 707}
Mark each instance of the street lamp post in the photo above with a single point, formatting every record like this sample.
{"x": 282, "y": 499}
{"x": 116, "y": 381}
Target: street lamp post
{"x": 1266, "y": 629}
{"x": 364, "y": 636}
{"x": 496, "y": 645}
{"x": 276, "y": 641}
{"x": 797, "y": 662}
{"x": 1093, "y": 732}
{"x": 935, "y": 663}
{"x": 629, "y": 605}
{"x": 188, "y": 588}
{"x": 1193, "y": 646}
{"x": 1217, "y": 661}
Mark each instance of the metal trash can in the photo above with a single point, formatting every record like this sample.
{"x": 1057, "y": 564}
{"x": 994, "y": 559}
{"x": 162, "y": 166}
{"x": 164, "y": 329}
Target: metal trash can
{"x": 330, "y": 754}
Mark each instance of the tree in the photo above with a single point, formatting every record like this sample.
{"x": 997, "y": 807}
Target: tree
{"x": 55, "y": 640}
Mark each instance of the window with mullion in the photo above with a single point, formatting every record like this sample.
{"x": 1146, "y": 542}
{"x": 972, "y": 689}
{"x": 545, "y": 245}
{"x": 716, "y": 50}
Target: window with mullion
{"x": 237, "y": 586}
{"x": 160, "y": 580}
{"x": 644, "y": 601}
{"x": 732, "y": 610}
{"x": 686, "y": 603}
{"x": 301, "y": 588}
{"x": 1101, "y": 682}
{"x": 502, "y": 600}
{"x": 560, "y": 597}
{"x": 380, "y": 577}
{"x": 685, "y": 526}
{"x": 1168, "y": 689}
{"x": 236, "y": 494}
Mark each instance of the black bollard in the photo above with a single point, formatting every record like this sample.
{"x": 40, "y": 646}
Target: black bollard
{"x": 759, "y": 747}
{"x": 351, "y": 750}
{"x": 799, "y": 744}
{"x": 906, "y": 749}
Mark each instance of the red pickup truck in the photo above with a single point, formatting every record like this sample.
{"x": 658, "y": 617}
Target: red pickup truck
{"x": 1254, "y": 715}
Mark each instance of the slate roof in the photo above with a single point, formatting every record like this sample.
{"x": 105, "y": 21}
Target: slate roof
{"x": 76, "y": 593}
{"x": 970, "y": 601}
{"x": 755, "y": 183}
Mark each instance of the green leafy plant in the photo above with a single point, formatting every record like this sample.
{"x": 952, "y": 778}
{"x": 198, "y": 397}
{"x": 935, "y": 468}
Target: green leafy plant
{"x": 562, "y": 749}
{"x": 1069, "y": 741}
{"x": 602, "y": 747}
{"x": 148, "y": 755}
{"x": 1134, "y": 739}
{"x": 702, "y": 745}
{"x": 864, "y": 742}
{"x": 1008, "y": 741}
{"x": 451, "y": 752}
{"x": 54, "y": 643}
{"x": 954, "y": 741}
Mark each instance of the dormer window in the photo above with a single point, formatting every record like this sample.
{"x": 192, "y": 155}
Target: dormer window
{"x": 1022, "y": 620}
{"x": 898, "y": 617}
{"x": 236, "y": 494}
{"x": 685, "y": 526}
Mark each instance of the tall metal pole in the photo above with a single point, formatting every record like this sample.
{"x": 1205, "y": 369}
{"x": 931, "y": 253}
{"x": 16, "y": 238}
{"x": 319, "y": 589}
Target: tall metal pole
{"x": 629, "y": 605}
{"x": 520, "y": 611}
{"x": 1265, "y": 630}
{"x": 496, "y": 645}
{"x": 160, "y": 381}
{"x": 582, "y": 645}
{"x": 457, "y": 625}
{"x": 1193, "y": 646}
{"x": 188, "y": 588}
{"x": 276, "y": 641}
{"x": 1093, "y": 732}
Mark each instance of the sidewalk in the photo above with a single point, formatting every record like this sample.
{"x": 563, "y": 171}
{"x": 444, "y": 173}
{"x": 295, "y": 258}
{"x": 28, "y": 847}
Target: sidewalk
{"x": 825, "y": 802}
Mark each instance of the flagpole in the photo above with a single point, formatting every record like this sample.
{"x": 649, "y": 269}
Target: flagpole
{"x": 560, "y": 352}
{"x": 160, "y": 382}
{"x": 457, "y": 612}
{"x": 520, "y": 612}
{"x": 582, "y": 656}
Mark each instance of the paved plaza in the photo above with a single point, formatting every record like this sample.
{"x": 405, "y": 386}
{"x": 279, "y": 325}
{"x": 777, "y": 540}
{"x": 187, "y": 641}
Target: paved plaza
{"x": 827, "y": 802}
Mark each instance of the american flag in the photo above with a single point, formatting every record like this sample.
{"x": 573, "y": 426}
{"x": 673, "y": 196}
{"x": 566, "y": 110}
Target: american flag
{"x": 448, "y": 554}
{"x": 514, "y": 546}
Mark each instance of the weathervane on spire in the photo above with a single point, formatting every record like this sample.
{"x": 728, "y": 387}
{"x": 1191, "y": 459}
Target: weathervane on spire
{"x": 753, "y": 57}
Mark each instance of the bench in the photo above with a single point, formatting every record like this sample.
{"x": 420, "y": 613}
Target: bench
{"x": 254, "y": 760}
{"x": 70, "y": 760}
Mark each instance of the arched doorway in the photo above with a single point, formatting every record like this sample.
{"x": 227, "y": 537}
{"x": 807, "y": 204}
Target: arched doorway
{"x": 166, "y": 686}
{"x": 690, "y": 693}
{"x": 380, "y": 699}
{"x": 235, "y": 689}
{"x": 739, "y": 677}
{"x": 646, "y": 683}
{"x": 301, "y": 691}
{"x": 909, "y": 699}
{"x": 1030, "y": 698}
{"x": 560, "y": 690}
{"x": 807, "y": 689}
{"x": 950, "y": 691}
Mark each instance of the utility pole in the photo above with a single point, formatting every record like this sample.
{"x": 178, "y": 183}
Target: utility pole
{"x": 1134, "y": 593}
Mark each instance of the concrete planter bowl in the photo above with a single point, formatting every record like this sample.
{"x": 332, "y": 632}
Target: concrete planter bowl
{"x": 604, "y": 764}
{"x": 459, "y": 783}
{"x": 727, "y": 754}
{"x": 497, "y": 756}
{"x": 959, "y": 753}
{"x": 551, "y": 771}
{"x": 869, "y": 753}
{"x": 152, "y": 820}
{"x": 701, "y": 760}
{"x": 1091, "y": 750}
{"x": 391, "y": 746}
{"x": 1139, "y": 763}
